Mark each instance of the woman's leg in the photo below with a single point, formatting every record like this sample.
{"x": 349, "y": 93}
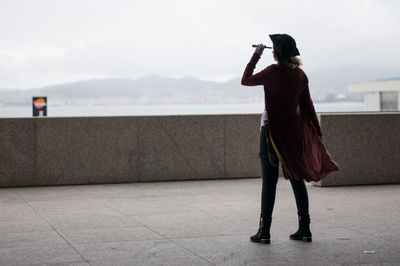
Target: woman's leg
{"x": 269, "y": 180}
{"x": 270, "y": 172}
{"x": 301, "y": 196}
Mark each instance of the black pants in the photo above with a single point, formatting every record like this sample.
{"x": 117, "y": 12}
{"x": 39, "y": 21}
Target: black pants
{"x": 270, "y": 172}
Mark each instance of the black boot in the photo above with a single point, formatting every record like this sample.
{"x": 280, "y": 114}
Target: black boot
{"x": 304, "y": 232}
{"x": 263, "y": 235}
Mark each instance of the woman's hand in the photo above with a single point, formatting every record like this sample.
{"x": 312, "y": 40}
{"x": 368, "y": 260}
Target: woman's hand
{"x": 259, "y": 49}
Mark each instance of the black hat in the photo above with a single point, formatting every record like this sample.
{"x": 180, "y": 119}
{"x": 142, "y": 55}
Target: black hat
{"x": 284, "y": 46}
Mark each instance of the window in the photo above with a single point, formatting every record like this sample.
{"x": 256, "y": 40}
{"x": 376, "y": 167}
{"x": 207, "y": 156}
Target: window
{"x": 389, "y": 101}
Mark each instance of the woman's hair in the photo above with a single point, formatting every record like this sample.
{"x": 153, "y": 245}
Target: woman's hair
{"x": 291, "y": 60}
{"x": 295, "y": 60}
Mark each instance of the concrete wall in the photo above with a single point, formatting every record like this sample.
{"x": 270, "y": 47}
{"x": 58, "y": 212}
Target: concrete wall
{"x": 366, "y": 146}
{"x": 88, "y": 150}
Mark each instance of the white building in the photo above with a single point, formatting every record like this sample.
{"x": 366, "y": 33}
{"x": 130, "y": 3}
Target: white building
{"x": 381, "y": 95}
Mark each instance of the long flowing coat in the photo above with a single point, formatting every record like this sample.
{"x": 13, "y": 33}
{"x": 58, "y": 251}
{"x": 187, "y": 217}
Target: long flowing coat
{"x": 293, "y": 124}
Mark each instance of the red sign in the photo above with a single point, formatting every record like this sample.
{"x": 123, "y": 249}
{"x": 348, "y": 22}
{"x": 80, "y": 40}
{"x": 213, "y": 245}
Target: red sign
{"x": 39, "y": 103}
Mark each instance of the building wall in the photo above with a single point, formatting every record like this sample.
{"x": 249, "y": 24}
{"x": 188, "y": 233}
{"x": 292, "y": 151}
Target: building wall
{"x": 372, "y": 92}
{"x": 91, "y": 150}
{"x": 398, "y": 100}
{"x": 372, "y": 101}
{"x": 383, "y": 85}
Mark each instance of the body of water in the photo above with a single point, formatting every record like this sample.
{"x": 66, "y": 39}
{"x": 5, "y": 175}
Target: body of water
{"x": 176, "y": 109}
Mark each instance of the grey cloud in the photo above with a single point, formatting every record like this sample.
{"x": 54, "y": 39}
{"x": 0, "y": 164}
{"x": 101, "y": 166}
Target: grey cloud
{"x": 207, "y": 39}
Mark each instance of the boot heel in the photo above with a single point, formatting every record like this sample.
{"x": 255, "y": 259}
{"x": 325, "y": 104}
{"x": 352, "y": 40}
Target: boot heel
{"x": 265, "y": 241}
{"x": 307, "y": 239}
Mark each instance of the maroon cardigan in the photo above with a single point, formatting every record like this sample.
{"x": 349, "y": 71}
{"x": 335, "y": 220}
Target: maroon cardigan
{"x": 293, "y": 124}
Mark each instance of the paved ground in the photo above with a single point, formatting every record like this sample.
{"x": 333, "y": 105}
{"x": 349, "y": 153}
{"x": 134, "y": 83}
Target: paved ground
{"x": 195, "y": 223}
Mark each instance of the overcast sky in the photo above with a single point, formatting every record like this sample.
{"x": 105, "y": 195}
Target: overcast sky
{"x": 45, "y": 42}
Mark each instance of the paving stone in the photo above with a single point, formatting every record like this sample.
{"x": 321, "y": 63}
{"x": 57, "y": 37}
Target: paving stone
{"x": 69, "y": 222}
{"x": 39, "y": 255}
{"x": 27, "y": 224}
{"x": 149, "y": 252}
{"x": 189, "y": 224}
{"x": 104, "y": 235}
{"x": 30, "y": 239}
{"x": 195, "y": 223}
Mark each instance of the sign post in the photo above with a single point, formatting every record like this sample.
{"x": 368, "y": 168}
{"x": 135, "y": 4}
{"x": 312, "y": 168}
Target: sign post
{"x": 39, "y": 105}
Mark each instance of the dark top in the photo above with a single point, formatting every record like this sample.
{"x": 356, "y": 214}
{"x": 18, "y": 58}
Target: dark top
{"x": 293, "y": 123}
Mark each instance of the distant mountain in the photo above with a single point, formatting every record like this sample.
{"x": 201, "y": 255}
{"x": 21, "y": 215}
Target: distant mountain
{"x": 153, "y": 89}
{"x": 146, "y": 90}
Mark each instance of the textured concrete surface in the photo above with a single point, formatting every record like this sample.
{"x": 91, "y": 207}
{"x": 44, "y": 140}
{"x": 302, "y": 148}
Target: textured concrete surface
{"x": 17, "y": 151}
{"x": 86, "y": 150}
{"x": 180, "y": 147}
{"x": 365, "y": 145}
{"x": 195, "y": 223}
{"x": 90, "y": 150}
{"x": 242, "y": 145}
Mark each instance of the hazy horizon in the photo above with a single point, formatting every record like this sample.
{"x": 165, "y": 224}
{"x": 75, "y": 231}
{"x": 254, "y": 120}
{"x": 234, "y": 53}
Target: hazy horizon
{"x": 48, "y": 42}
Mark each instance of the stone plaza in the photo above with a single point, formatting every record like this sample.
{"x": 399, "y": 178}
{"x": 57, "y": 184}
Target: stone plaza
{"x": 195, "y": 223}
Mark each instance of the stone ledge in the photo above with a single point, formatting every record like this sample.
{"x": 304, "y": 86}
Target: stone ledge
{"x": 91, "y": 150}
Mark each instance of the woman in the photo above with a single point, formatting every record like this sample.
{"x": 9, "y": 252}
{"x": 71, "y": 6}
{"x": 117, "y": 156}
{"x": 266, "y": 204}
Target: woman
{"x": 290, "y": 133}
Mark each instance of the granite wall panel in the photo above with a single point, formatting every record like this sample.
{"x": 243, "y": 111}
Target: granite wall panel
{"x": 366, "y": 147}
{"x": 180, "y": 147}
{"x": 17, "y": 151}
{"x": 242, "y": 135}
{"x": 86, "y": 150}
